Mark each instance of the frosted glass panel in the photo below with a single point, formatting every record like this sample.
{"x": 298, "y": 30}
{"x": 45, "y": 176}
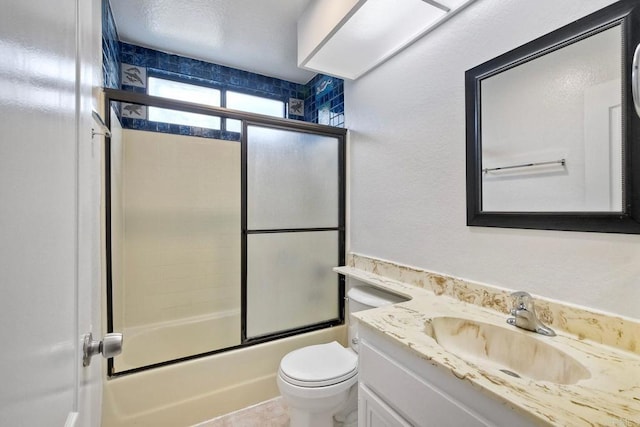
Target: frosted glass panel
{"x": 292, "y": 180}
{"x": 290, "y": 282}
{"x": 177, "y": 275}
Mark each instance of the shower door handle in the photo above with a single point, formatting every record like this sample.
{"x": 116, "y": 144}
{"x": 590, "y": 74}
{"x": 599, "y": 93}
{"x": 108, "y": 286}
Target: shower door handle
{"x": 635, "y": 84}
{"x": 111, "y": 345}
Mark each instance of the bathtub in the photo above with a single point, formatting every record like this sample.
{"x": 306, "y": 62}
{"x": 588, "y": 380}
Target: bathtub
{"x": 159, "y": 342}
{"x": 186, "y": 393}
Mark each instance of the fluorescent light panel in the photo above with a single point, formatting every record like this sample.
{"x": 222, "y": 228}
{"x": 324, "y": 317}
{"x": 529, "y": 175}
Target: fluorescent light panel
{"x": 375, "y": 32}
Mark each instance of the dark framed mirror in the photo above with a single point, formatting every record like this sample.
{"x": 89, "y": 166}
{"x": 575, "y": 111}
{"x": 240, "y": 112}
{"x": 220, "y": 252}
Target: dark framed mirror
{"x": 553, "y": 135}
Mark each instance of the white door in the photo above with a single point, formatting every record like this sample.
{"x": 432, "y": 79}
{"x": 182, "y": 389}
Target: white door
{"x": 603, "y": 147}
{"x": 49, "y": 223}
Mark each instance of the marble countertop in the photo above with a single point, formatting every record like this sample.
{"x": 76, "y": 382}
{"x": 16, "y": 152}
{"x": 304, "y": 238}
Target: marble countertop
{"x": 610, "y": 396}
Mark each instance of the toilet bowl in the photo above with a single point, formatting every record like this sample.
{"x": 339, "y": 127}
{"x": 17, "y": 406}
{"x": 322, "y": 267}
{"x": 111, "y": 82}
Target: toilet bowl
{"x": 315, "y": 381}
{"x": 320, "y": 382}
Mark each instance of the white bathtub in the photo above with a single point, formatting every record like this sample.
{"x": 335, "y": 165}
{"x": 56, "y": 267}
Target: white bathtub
{"x": 160, "y": 342}
{"x": 190, "y": 392}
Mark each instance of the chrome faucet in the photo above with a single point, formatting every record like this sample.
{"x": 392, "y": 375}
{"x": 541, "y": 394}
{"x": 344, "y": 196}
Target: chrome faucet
{"x": 524, "y": 315}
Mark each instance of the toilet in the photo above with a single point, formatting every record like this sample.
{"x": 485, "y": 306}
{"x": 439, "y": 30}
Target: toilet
{"x": 319, "y": 383}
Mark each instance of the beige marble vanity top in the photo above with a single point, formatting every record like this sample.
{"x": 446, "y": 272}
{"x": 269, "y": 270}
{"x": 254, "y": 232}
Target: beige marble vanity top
{"x": 610, "y": 396}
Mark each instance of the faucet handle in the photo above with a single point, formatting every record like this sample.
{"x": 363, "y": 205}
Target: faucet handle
{"x": 522, "y": 300}
{"x": 524, "y": 315}
{"x": 520, "y": 294}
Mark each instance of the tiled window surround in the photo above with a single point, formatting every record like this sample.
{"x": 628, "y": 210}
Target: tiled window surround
{"x": 110, "y": 49}
{"x": 325, "y": 99}
{"x": 323, "y": 95}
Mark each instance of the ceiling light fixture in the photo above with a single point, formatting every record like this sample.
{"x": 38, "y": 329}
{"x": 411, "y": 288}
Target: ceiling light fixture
{"x": 348, "y": 38}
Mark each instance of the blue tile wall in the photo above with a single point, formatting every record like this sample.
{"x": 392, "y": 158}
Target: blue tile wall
{"x": 323, "y": 95}
{"x": 160, "y": 64}
{"x": 325, "y": 92}
{"x": 110, "y": 49}
{"x": 140, "y": 124}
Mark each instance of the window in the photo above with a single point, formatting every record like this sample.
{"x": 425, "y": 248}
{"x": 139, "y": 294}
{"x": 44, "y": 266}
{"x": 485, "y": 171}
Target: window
{"x": 207, "y": 96}
{"x": 252, "y": 104}
{"x": 184, "y": 92}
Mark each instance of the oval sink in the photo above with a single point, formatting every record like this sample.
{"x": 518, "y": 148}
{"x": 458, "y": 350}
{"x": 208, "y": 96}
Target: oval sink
{"x": 513, "y": 352}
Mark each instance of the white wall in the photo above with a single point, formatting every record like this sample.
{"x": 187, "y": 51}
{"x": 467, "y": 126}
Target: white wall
{"x": 407, "y": 169}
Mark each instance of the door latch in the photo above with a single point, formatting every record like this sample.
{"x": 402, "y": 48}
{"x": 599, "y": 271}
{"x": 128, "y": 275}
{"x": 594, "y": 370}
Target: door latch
{"x": 111, "y": 345}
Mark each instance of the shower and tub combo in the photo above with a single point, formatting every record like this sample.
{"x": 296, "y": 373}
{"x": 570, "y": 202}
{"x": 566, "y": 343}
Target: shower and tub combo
{"x": 219, "y": 249}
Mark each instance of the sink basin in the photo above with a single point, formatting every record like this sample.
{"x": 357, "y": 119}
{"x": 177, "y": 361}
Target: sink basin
{"x": 511, "y": 351}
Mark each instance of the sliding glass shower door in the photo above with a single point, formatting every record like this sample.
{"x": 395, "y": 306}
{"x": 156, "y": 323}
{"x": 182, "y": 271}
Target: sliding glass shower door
{"x": 293, "y": 230}
{"x": 175, "y": 217}
{"x": 216, "y": 239}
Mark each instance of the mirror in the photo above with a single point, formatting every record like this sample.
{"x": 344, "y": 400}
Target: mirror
{"x": 552, "y": 132}
{"x": 551, "y": 136}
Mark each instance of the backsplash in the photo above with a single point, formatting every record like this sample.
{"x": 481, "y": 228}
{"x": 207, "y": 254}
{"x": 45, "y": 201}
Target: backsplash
{"x": 583, "y": 322}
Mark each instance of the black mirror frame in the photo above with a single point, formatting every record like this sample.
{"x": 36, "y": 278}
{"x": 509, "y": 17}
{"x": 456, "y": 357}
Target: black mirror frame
{"x": 625, "y": 13}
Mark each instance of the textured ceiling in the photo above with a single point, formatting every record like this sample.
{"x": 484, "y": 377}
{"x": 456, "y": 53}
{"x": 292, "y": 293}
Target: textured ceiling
{"x": 253, "y": 35}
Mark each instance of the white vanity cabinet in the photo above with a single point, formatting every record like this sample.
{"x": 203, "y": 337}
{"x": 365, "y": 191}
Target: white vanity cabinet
{"x": 398, "y": 388}
{"x": 374, "y": 412}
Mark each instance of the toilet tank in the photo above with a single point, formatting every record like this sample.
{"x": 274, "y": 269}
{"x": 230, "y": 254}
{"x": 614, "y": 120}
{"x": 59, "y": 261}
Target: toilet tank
{"x": 364, "y": 298}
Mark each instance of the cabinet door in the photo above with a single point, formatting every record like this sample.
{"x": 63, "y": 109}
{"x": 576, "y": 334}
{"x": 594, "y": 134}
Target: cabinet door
{"x": 373, "y": 412}
{"x": 420, "y": 402}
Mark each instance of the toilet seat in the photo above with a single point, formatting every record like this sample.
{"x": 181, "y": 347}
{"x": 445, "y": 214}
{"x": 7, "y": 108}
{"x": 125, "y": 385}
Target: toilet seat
{"x": 319, "y": 365}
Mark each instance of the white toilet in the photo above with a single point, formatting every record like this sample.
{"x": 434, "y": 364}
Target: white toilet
{"x": 320, "y": 382}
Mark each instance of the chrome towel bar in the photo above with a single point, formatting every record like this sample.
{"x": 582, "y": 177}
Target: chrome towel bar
{"x": 562, "y": 162}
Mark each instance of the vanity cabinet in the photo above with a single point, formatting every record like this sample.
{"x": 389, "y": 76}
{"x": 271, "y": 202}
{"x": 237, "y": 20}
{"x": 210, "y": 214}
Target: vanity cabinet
{"x": 398, "y": 388}
{"x": 374, "y": 412}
